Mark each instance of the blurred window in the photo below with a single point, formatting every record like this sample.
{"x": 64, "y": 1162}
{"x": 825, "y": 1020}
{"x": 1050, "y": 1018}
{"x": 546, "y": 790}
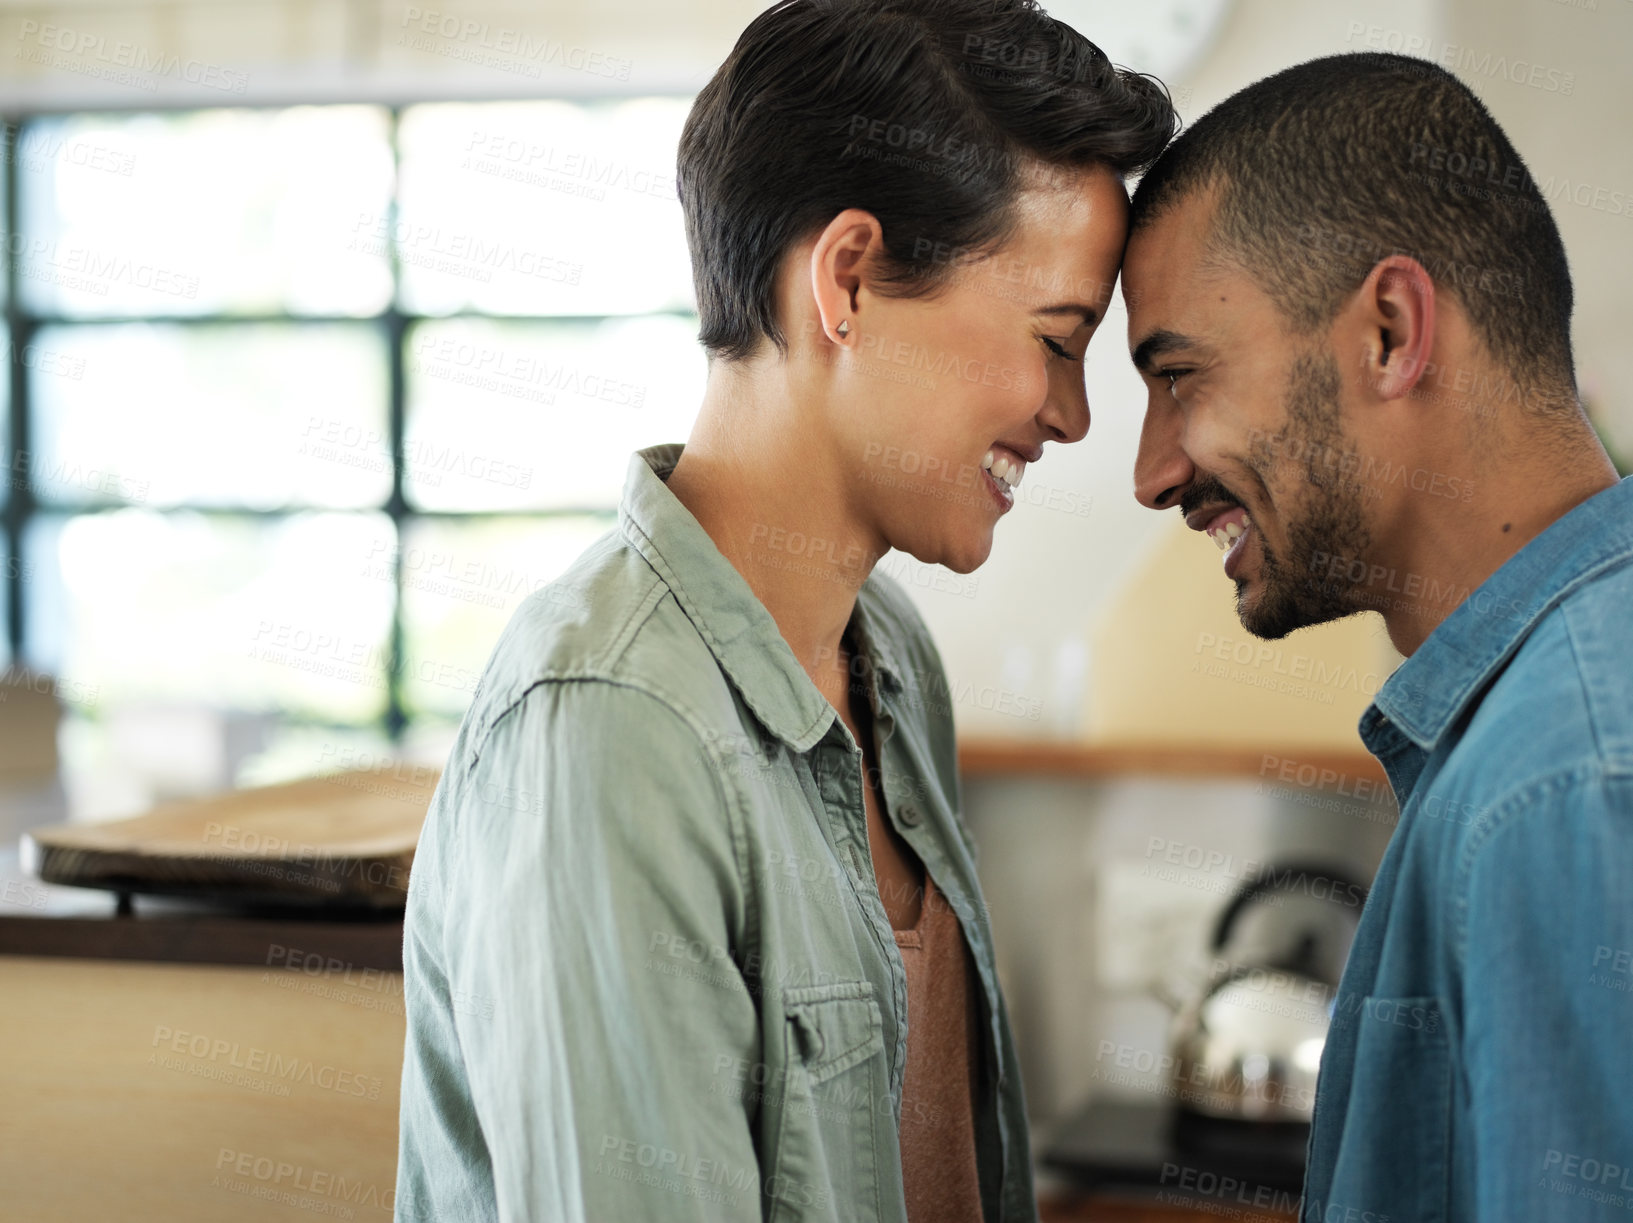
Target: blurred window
{"x": 303, "y": 401}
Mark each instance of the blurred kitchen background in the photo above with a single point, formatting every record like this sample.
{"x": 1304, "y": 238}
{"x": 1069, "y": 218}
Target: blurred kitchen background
{"x": 331, "y": 325}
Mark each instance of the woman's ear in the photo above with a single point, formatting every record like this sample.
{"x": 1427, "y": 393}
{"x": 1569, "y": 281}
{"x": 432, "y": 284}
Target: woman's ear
{"x": 1397, "y": 306}
{"x": 839, "y": 266}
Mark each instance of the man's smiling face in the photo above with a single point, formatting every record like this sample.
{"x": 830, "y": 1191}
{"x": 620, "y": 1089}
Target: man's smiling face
{"x": 1244, "y": 429}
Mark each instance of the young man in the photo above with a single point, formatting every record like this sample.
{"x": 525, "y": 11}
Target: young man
{"x": 1352, "y": 309}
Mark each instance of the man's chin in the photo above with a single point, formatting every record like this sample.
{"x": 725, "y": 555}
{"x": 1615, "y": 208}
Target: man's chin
{"x": 1270, "y": 614}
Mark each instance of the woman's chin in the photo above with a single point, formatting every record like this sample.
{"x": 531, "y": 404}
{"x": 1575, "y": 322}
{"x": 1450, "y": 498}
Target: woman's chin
{"x": 961, "y": 547}
{"x": 966, "y": 554}
{"x": 972, "y": 561}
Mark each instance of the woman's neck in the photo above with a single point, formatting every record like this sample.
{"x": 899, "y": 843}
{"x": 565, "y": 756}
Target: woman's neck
{"x": 765, "y": 487}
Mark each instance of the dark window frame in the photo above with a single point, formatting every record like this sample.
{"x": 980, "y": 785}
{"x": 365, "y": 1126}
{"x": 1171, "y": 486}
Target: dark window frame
{"x": 22, "y": 325}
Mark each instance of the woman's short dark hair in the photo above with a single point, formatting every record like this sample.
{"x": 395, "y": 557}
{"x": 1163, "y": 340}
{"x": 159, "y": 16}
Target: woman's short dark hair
{"x": 925, "y": 113}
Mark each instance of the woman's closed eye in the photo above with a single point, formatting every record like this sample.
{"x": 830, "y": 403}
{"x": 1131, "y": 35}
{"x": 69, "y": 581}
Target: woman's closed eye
{"x": 1059, "y": 349}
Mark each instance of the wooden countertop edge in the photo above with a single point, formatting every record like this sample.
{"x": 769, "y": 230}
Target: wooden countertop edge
{"x": 1118, "y": 1208}
{"x": 349, "y": 946}
{"x": 1292, "y": 765}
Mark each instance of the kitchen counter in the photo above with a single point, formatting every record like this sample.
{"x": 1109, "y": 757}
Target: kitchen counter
{"x": 191, "y": 1063}
{"x": 1119, "y": 1208}
{"x": 43, "y": 919}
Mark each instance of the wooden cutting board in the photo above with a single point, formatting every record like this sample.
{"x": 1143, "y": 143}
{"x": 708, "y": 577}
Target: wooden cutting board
{"x": 343, "y": 839}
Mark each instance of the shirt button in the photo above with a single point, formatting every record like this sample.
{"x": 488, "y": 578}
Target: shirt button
{"x": 911, "y": 815}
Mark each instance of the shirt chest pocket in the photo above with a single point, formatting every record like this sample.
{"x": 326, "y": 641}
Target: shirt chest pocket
{"x": 835, "y": 1098}
{"x": 1394, "y": 1156}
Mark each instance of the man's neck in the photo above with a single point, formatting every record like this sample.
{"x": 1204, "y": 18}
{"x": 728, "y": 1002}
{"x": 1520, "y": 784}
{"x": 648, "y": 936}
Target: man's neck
{"x": 1445, "y": 552}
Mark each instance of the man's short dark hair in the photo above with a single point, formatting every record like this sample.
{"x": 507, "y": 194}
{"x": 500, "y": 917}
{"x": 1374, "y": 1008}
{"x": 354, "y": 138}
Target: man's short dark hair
{"x": 1332, "y": 165}
{"x": 925, "y": 113}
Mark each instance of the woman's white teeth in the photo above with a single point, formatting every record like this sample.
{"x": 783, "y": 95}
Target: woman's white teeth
{"x": 1004, "y": 468}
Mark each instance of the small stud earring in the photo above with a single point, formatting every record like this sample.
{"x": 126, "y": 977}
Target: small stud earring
{"x": 844, "y": 329}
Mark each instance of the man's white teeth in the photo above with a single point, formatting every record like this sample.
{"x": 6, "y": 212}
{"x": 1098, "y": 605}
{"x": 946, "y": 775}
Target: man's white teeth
{"x": 1228, "y": 534}
{"x": 1004, "y": 468}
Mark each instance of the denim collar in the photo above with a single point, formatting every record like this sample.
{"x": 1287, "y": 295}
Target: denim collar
{"x": 735, "y": 625}
{"x": 1431, "y": 689}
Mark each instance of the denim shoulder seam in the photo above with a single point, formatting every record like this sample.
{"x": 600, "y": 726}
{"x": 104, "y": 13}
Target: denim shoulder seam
{"x": 709, "y": 749}
{"x": 604, "y": 669}
{"x": 1471, "y": 685}
{"x": 1513, "y": 807}
{"x": 1615, "y": 764}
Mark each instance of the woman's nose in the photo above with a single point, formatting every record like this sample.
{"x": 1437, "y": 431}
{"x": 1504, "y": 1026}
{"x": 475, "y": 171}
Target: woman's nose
{"x": 1065, "y": 412}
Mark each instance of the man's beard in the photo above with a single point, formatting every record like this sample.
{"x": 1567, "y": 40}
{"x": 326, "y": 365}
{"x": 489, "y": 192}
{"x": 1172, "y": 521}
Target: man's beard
{"x": 1324, "y": 526}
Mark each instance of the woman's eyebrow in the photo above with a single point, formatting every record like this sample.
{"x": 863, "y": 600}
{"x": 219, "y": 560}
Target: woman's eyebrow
{"x": 1088, "y": 312}
{"x": 1159, "y": 344}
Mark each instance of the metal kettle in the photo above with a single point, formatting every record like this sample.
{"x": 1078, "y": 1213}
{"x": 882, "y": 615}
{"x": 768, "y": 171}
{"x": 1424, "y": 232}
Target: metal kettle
{"x": 1248, "y": 1045}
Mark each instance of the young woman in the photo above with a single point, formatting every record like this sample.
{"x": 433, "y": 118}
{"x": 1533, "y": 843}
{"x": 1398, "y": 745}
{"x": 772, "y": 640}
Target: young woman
{"x": 694, "y": 930}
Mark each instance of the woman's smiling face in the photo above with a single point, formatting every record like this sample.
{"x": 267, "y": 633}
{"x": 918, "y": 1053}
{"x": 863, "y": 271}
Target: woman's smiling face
{"x": 938, "y": 403}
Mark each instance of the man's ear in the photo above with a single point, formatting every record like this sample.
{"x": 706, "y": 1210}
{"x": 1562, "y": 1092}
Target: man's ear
{"x": 839, "y": 264}
{"x": 1397, "y": 311}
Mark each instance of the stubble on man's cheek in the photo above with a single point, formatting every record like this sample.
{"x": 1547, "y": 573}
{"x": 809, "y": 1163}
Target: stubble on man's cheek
{"x": 1320, "y": 507}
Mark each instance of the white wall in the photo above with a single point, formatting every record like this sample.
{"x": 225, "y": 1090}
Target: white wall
{"x": 232, "y": 51}
{"x": 1579, "y": 148}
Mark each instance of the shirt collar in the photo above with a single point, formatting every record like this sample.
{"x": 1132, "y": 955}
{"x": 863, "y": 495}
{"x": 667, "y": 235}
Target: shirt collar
{"x": 732, "y": 621}
{"x": 1432, "y": 688}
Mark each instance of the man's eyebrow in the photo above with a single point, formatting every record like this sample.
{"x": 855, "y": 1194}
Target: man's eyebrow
{"x": 1158, "y": 344}
{"x": 1089, "y": 315}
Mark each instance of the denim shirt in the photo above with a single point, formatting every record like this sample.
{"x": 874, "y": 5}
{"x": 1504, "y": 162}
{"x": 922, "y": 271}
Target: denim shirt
{"x": 1480, "y": 1059}
{"x": 648, "y": 974}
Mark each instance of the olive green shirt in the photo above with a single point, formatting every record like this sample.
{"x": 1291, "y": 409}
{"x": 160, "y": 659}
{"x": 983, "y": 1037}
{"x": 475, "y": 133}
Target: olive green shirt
{"x": 648, "y": 972}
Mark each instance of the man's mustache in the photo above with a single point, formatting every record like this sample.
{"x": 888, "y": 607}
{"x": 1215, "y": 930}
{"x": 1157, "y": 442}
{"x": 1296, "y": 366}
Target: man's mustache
{"x": 1205, "y": 491}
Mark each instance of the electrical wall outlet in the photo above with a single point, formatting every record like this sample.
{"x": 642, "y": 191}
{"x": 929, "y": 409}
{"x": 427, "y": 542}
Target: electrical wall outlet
{"x": 1152, "y": 923}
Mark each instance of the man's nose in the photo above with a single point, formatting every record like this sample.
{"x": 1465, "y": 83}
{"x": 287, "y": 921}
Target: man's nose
{"x": 1161, "y": 468}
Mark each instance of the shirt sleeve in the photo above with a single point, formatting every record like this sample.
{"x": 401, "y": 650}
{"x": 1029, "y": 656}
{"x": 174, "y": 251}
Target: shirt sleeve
{"x": 1548, "y": 970}
{"x": 594, "y": 910}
